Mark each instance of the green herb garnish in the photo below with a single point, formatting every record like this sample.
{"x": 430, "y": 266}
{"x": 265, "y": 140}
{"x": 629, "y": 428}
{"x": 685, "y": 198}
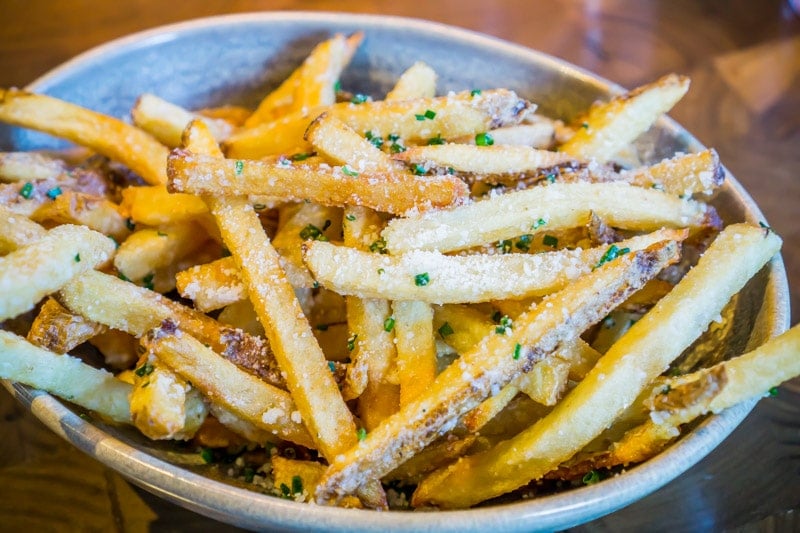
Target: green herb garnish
{"x": 238, "y": 167}
{"x": 524, "y": 242}
{"x": 420, "y": 280}
{"x": 144, "y": 370}
{"x": 297, "y": 485}
{"x": 429, "y": 114}
{"x": 549, "y": 240}
{"x": 361, "y": 434}
{"x": 445, "y": 330}
{"x": 349, "y": 171}
{"x": 378, "y": 246}
{"x": 388, "y": 324}
{"x": 376, "y": 140}
{"x": 538, "y": 224}
{"x": 504, "y": 246}
{"x": 54, "y": 193}
{"x": 612, "y": 253}
{"x": 419, "y": 170}
{"x": 436, "y": 140}
{"x": 207, "y": 455}
{"x": 77, "y": 258}
{"x": 591, "y": 477}
{"x": 351, "y": 342}
{"x": 475, "y": 92}
{"x": 26, "y": 191}
{"x": 350, "y": 216}
{"x": 484, "y": 139}
{"x": 302, "y": 156}
{"x": 359, "y": 98}
{"x": 517, "y": 351}
{"x": 312, "y": 233}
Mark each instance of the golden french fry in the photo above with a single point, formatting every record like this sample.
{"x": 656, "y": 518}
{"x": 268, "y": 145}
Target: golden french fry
{"x": 154, "y": 206}
{"x": 483, "y": 160}
{"x": 223, "y": 382}
{"x": 416, "y": 351}
{"x": 17, "y": 230}
{"x": 64, "y": 376}
{"x": 684, "y": 174}
{"x": 166, "y": 121}
{"x": 493, "y": 363}
{"x": 94, "y": 212}
{"x": 414, "y": 120}
{"x": 418, "y": 81}
{"x": 539, "y": 134}
{"x": 58, "y": 330}
{"x": 30, "y": 273}
{"x": 336, "y": 186}
{"x": 147, "y": 250}
{"x": 212, "y": 285}
{"x": 544, "y": 210}
{"x": 106, "y": 135}
{"x": 436, "y": 278}
{"x": 617, "y": 379}
{"x": 610, "y": 126}
{"x": 29, "y": 166}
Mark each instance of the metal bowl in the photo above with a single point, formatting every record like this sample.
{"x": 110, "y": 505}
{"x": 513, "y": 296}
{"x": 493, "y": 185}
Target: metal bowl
{"x": 236, "y": 59}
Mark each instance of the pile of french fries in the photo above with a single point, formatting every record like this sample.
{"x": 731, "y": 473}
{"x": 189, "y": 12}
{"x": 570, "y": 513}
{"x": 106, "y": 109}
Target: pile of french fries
{"x": 451, "y": 294}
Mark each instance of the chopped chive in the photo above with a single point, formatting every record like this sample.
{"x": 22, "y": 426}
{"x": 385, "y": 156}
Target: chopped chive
{"x": 420, "y": 280}
{"x": 538, "y": 224}
{"x": 337, "y": 86}
{"x": 551, "y": 177}
{"x": 302, "y": 156}
{"x": 549, "y": 240}
{"x": 504, "y": 246}
{"x": 436, "y": 140}
{"x": 285, "y": 491}
{"x": 123, "y": 277}
{"x": 381, "y": 271}
{"x": 429, "y": 114}
{"x": 297, "y": 485}
{"x": 54, "y": 193}
{"x": 351, "y": 342}
{"x": 484, "y": 139}
{"x": 419, "y": 170}
{"x": 249, "y": 474}
{"x": 517, "y": 351}
{"x": 394, "y": 137}
{"x": 585, "y": 125}
{"x": 26, "y": 191}
{"x": 591, "y": 477}
{"x": 376, "y": 140}
{"x": 361, "y": 434}
{"x": 331, "y": 366}
{"x": 612, "y": 253}
{"x": 773, "y": 391}
{"x": 161, "y": 234}
{"x": 524, "y": 242}
{"x": 238, "y": 167}
{"x": 475, "y": 92}
{"x": 312, "y": 233}
{"x": 349, "y": 171}
{"x": 378, "y": 246}
{"x": 445, "y": 330}
{"x": 359, "y": 98}
{"x": 496, "y": 316}
{"x": 350, "y": 216}
{"x": 77, "y": 258}
{"x": 144, "y": 370}
{"x": 207, "y": 454}
{"x": 388, "y": 324}
{"x": 147, "y": 281}
{"x": 315, "y": 285}
{"x": 396, "y": 148}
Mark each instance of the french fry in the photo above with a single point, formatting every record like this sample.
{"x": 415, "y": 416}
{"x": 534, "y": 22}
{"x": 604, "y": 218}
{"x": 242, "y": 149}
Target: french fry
{"x": 611, "y": 126}
{"x": 483, "y": 160}
{"x": 127, "y": 307}
{"x": 163, "y": 405}
{"x": 213, "y": 285}
{"x": 614, "y": 383}
{"x": 684, "y": 174}
{"x": 166, "y": 121}
{"x": 446, "y": 117}
{"x": 105, "y": 135}
{"x": 29, "y": 166}
{"x": 147, "y": 250}
{"x": 94, "y": 212}
{"x": 296, "y": 479}
{"x": 416, "y": 351}
{"x": 494, "y": 362}
{"x": 335, "y": 186}
{"x": 440, "y": 453}
{"x": 539, "y": 134}
{"x": 246, "y": 396}
{"x": 299, "y": 356}
{"x": 321, "y": 68}
{"x": 436, "y": 278}
{"x": 64, "y": 376}
{"x": 154, "y": 206}
{"x": 30, "y": 273}
{"x": 17, "y": 230}
{"x": 418, "y": 81}
{"x": 59, "y": 330}
{"x": 544, "y": 209}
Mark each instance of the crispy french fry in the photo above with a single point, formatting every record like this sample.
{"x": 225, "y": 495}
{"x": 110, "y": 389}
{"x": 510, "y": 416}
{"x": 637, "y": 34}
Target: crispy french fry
{"x": 418, "y": 81}
{"x": 617, "y": 379}
{"x": 416, "y": 351}
{"x": 64, "y": 376}
{"x": 440, "y": 453}
{"x": 106, "y": 135}
{"x": 684, "y": 174}
{"x": 539, "y": 134}
{"x": 544, "y": 209}
{"x": 166, "y": 121}
{"x": 446, "y": 116}
{"x": 147, "y": 250}
{"x": 17, "y": 230}
{"x": 59, "y": 330}
{"x": 94, "y": 212}
{"x": 483, "y": 160}
{"x": 29, "y": 166}
{"x": 493, "y": 363}
{"x": 124, "y": 306}
{"x": 337, "y": 186}
{"x": 610, "y": 126}
{"x": 436, "y": 278}
{"x": 154, "y": 206}
{"x": 30, "y": 273}
{"x": 220, "y": 380}
{"x": 164, "y": 405}
{"x": 212, "y": 285}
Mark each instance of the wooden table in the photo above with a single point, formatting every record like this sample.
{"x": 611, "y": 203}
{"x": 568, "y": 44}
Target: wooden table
{"x": 744, "y": 60}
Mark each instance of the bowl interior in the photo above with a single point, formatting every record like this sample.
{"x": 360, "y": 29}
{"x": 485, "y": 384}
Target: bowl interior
{"x": 237, "y": 59}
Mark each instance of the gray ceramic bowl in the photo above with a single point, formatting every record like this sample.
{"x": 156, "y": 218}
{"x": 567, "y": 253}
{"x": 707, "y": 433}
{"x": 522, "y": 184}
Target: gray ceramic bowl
{"x": 236, "y": 59}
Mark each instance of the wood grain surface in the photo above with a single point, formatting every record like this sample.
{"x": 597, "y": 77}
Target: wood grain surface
{"x": 744, "y": 61}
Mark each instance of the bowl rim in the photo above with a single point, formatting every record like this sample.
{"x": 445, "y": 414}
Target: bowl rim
{"x": 253, "y": 510}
